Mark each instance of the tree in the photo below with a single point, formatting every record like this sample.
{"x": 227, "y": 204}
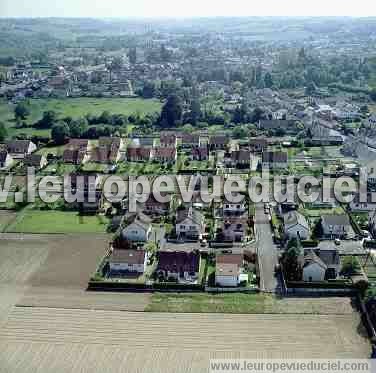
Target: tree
{"x": 257, "y": 115}
{"x": 60, "y": 132}
{"x": 48, "y": 120}
{"x": 373, "y": 95}
{"x": 165, "y": 54}
{"x": 172, "y": 112}
{"x": 105, "y": 117}
{"x": 188, "y": 128}
{"x": 350, "y": 266}
{"x": 21, "y": 111}
{"x": 149, "y": 90}
{"x": 268, "y": 80}
{"x": 132, "y": 55}
{"x": 195, "y": 112}
{"x": 291, "y": 266}
{"x": 310, "y": 89}
{"x": 78, "y": 127}
{"x": 3, "y": 132}
{"x": 240, "y": 132}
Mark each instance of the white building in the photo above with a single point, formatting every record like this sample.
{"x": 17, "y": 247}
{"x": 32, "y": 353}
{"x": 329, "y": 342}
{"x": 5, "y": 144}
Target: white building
{"x": 227, "y": 274}
{"x": 6, "y": 159}
{"x": 190, "y": 224}
{"x": 138, "y": 229}
{"x": 296, "y": 225}
{"x": 128, "y": 261}
{"x": 321, "y": 265}
{"x": 228, "y": 269}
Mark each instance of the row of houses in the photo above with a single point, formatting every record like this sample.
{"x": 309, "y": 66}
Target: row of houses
{"x": 21, "y": 150}
{"x": 79, "y": 151}
{"x": 179, "y": 266}
{"x": 332, "y": 226}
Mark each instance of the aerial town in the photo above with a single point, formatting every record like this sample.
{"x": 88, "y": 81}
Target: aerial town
{"x": 198, "y": 100}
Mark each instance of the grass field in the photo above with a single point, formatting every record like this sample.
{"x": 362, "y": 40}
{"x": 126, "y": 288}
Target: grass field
{"x": 75, "y": 108}
{"x": 222, "y": 303}
{"x": 35, "y": 221}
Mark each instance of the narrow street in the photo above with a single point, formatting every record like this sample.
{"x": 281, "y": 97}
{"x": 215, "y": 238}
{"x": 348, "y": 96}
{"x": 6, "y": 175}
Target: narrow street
{"x": 267, "y": 251}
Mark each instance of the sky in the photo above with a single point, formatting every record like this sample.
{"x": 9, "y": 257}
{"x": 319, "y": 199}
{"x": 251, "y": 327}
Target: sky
{"x": 186, "y": 8}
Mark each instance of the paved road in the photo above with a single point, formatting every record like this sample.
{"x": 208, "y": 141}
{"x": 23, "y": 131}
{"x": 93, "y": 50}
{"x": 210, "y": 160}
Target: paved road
{"x": 267, "y": 251}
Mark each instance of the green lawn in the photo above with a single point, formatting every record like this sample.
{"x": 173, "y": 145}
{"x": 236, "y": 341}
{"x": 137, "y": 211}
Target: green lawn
{"x": 75, "y": 107}
{"x": 210, "y": 303}
{"x": 35, "y": 221}
{"x": 143, "y": 168}
{"x": 94, "y": 167}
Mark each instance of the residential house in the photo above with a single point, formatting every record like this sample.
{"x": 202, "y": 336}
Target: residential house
{"x": 75, "y": 156}
{"x": 76, "y": 151}
{"x": 368, "y": 205}
{"x": 139, "y": 154}
{"x": 325, "y": 111}
{"x": 296, "y": 225}
{"x": 108, "y": 150}
{"x": 228, "y": 269}
{"x": 218, "y": 142}
{"x": 190, "y": 224}
{"x": 168, "y": 140}
{"x": 325, "y": 141}
{"x": 18, "y": 149}
{"x": 233, "y": 229}
{"x": 178, "y": 265}
{"x": 336, "y": 226}
{"x": 258, "y": 145}
{"x": 190, "y": 140}
{"x": 154, "y": 207}
{"x": 37, "y": 161}
{"x": 87, "y": 185}
{"x": 165, "y": 154}
{"x": 84, "y": 181}
{"x": 147, "y": 141}
{"x": 371, "y": 175}
{"x": 133, "y": 261}
{"x": 138, "y": 228}
{"x": 274, "y": 160}
{"x": 320, "y": 264}
{"x": 241, "y": 159}
{"x": 200, "y": 153}
{"x": 6, "y": 160}
{"x": 78, "y": 144}
{"x": 233, "y": 209}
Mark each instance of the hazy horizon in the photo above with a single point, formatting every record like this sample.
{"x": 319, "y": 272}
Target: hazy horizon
{"x": 193, "y": 9}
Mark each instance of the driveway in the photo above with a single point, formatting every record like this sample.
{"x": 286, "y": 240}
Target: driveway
{"x": 267, "y": 251}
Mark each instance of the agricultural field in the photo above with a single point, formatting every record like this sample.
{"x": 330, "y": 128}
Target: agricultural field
{"x": 36, "y": 221}
{"x": 53, "y": 271}
{"x": 33, "y": 337}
